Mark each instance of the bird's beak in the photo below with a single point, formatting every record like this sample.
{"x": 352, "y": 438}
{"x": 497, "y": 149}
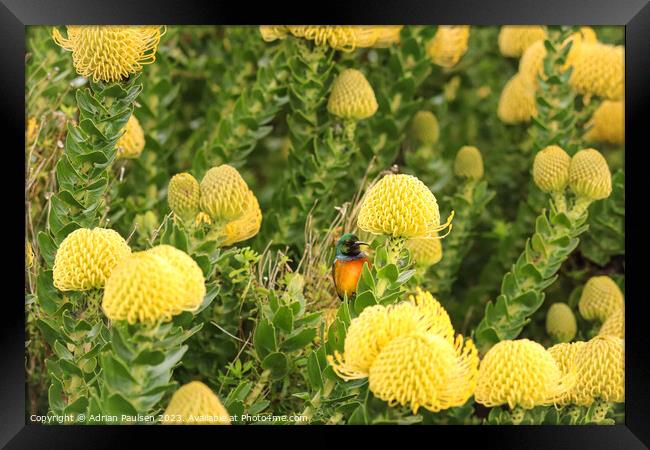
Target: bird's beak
{"x": 359, "y": 243}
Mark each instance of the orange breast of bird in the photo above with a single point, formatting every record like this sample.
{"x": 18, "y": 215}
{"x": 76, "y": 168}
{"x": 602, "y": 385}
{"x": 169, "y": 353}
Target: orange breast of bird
{"x": 346, "y": 275}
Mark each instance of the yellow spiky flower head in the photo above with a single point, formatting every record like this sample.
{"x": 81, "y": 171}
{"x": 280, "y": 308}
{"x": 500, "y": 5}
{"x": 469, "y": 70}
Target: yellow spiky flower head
{"x": 425, "y": 251}
{"x": 469, "y": 163}
{"x": 368, "y": 333}
{"x": 599, "y": 366}
{"x": 153, "y": 285}
{"x": 246, "y": 226}
{"x": 531, "y": 63}
{"x": 598, "y": 69}
{"x": 601, "y": 297}
{"x": 400, "y": 206}
{"x": 183, "y": 196}
{"x": 195, "y": 404}
{"x": 30, "y": 130}
{"x": 271, "y": 33}
{"x": 561, "y": 322}
{"x": 109, "y": 53}
{"x": 589, "y": 175}
{"x": 518, "y": 373}
{"x": 614, "y": 325}
{"x": 341, "y": 37}
{"x": 551, "y": 169}
{"x": 448, "y": 45}
{"x": 352, "y": 96}
{"x": 224, "y": 194}
{"x": 131, "y": 144}
{"x": 86, "y": 258}
{"x": 29, "y": 255}
{"x": 564, "y": 355}
{"x": 424, "y": 370}
{"x": 514, "y": 39}
{"x": 516, "y": 102}
{"x": 424, "y": 128}
{"x": 608, "y": 123}
{"x": 377, "y": 325}
{"x": 437, "y": 320}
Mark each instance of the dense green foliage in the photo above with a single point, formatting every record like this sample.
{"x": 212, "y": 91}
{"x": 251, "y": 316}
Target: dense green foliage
{"x": 222, "y": 95}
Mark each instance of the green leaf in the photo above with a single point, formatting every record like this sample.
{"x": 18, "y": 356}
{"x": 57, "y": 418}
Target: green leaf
{"x": 299, "y": 340}
{"x": 149, "y": 358}
{"x": 48, "y": 295}
{"x": 117, "y": 405}
{"x": 364, "y": 300}
{"x": 278, "y": 364}
{"x": 264, "y": 338}
{"x": 117, "y": 375}
{"x": 389, "y": 272}
{"x": 283, "y": 319}
{"x": 51, "y": 331}
{"x": 77, "y": 407}
{"x": 314, "y": 374}
{"x": 47, "y": 248}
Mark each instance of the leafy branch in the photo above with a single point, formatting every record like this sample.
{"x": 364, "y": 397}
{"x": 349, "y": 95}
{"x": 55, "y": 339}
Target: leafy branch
{"x": 522, "y": 289}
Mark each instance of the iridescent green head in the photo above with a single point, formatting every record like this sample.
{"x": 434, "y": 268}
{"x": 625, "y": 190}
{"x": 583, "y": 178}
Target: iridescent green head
{"x": 349, "y": 245}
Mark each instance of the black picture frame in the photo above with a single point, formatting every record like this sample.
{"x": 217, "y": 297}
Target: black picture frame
{"x": 633, "y": 14}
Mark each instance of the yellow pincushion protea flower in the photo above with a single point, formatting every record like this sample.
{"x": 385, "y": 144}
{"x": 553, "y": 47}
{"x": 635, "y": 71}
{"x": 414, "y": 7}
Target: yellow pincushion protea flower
{"x": 86, "y": 258}
{"x": 400, "y": 206}
{"x": 601, "y": 297}
{"x": 514, "y": 39}
{"x": 589, "y": 175}
{"x": 608, "y": 123}
{"x": 424, "y": 128}
{"x": 272, "y": 33}
{"x": 378, "y": 325}
{"x": 531, "y": 63}
{"x": 30, "y": 130}
{"x": 469, "y": 163}
{"x": 519, "y": 373}
{"x": 600, "y": 372}
{"x": 368, "y": 333}
{"x": 424, "y": 370}
{"x": 131, "y": 144}
{"x": 425, "y": 251}
{"x": 564, "y": 355}
{"x": 153, "y": 285}
{"x": 516, "y": 102}
{"x": 598, "y": 69}
{"x": 340, "y": 37}
{"x": 245, "y": 227}
{"x": 352, "y": 96}
{"x": 109, "y": 53}
{"x": 561, "y": 322}
{"x": 29, "y": 255}
{"x": 224, "y": 194}
{"x": 183, "y": 196}
{"x": 192, "y": 275}
{"x": 195, "y": 404}
{"x": 614, "y": 325}
{"x": 448, "y": 45}
{"x": 436, "y": 318}
{"x": 551, "y": 169}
